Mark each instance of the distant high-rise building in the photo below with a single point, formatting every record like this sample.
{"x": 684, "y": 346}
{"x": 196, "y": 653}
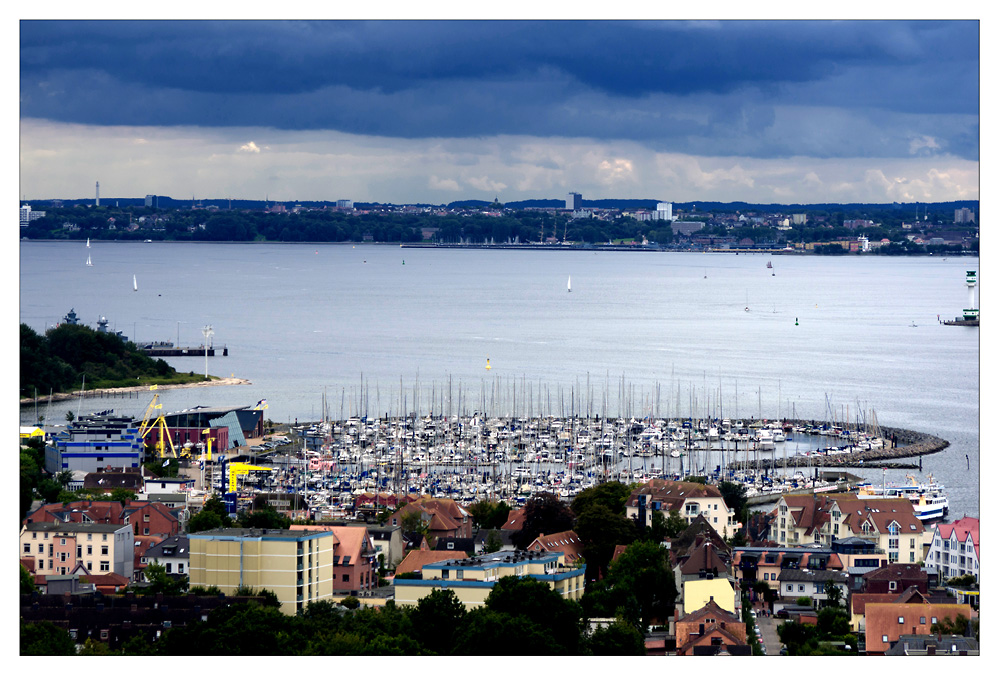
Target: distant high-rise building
{"x": 152, "y": 201}
{"x": 344, "y": 204}
{"x": 799, "y": 218}
{"x": 27, "y": 215}
{"x": 964, "y": 215}
{"x": 98, "y": 196}
{"x": 573, "y": 201}
{"x": 664, "y": 211}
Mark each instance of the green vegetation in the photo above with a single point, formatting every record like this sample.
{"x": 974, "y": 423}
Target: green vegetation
{"x": 831, "y": 636}
{"x": 543, "y": 514}
{"x": 59, "y": 360}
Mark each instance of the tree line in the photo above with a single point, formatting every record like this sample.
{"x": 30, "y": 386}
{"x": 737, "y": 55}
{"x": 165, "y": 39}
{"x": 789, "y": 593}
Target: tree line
{"x": 58, "y": 361}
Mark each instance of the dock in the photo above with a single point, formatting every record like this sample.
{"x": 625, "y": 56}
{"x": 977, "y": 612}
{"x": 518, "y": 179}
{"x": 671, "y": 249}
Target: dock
{"x": 179, "y": 351}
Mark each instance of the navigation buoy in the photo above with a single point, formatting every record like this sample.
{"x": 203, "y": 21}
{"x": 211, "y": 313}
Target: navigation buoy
{"x": 795, "y": 321}
{"x": 488, "y": 367}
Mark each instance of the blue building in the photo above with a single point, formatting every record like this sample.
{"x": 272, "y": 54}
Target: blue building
{"x": 96, "y": 443}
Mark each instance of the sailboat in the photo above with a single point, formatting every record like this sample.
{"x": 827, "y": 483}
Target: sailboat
{"x": 88, "y": 242}
{"x": 89, "y": 264}
{"x": 770, "y": 266}
{"x": 135, "y": 284}
{"x": 569, "y": 285}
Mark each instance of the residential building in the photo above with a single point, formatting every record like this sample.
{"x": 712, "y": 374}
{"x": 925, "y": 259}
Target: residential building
{"x": 505, "y": 538}
{"x": 932, "y": 645}
{"x": 755, "y": 563}
{"x": 964, "y": 215}
{"x": 953, "y": 550}
{"x": 908, "y": 614}
{"x": 355, "y": 562}
{"x": 27, "y": 215}
{"x": 811, "y": 584}
{"x": 144, "y": 518}
{"x": 472, "y": 579}
{"x": 296, "y": 565}
{"x": 896, "y": 579}
{"x": 566, "y": 542}
{"x": 711, "y": 626}
{"x": 442, "y": 517}
{"x": 821, "y": 519}
{"x": 58, "y": 547}
{"x": 699, "y": 592}
{"x": 689, "y": 499}
{"x": 573, "y": 201}
{"x": 417, "y": 558}
{"x": 173, "y": 554}
{"x": 664, "y": 211}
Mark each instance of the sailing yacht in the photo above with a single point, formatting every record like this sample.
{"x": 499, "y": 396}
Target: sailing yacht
{"x": 89, "y": 264}
{"x": 135, "y": 284}
{"x": 569, "y": 285}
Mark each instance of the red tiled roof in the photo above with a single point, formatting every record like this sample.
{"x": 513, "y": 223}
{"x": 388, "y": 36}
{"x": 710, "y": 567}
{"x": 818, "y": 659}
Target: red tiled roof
{"x": 416, "y": 559}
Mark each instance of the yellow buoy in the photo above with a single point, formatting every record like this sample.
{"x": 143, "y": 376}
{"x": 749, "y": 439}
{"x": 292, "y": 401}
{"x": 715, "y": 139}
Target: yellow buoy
{"x": 488, "y": 367}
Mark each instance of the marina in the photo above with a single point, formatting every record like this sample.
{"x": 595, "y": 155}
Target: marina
{"x": 327, "y": 465}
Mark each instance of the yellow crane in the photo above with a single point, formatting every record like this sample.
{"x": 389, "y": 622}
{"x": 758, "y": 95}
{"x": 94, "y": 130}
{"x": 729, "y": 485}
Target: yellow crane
{"x": 237, "y": 469}
{"x": 148, "y": 424}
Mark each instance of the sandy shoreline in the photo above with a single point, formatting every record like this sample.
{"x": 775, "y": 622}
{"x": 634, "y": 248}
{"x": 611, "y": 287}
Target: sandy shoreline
{"x": 142, "y": 388}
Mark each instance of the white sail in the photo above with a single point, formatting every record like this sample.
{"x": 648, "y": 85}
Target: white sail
{"x": 88, "y": 242}
{"x": 89, "y": 264}
{"x": 569, "y": 285}
{"x": 135, "y": 283}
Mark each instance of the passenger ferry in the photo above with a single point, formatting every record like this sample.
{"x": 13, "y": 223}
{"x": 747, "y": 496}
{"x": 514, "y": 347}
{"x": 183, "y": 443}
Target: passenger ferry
{"x": 928, "y": 499}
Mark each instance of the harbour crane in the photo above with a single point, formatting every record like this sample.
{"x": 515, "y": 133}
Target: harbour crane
{"x": 159, "y": 423}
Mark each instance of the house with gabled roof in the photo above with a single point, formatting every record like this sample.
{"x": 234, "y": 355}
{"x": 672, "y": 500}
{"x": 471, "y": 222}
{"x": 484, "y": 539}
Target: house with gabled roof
{"x": 441, "y": 517}
{"x": 823, "y": 518}
{"x": 514, "y": 520}
{"x": 566, "y": 542}
{"x": 354, "y": 565}
{"x": 689, "y": 499}
{"x": 953, "y": 550}
{"x": 710, "y": 625}
{"x": 910, "y": 613}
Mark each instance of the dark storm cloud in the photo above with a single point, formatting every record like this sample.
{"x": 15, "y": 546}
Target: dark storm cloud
{"x": 715, "y": 87}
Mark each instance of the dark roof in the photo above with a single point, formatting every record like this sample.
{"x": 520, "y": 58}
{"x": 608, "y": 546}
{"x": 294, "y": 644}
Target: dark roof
{"x": 177, "y": 546}
{"x": 109, "y": 480}
{"x": 466, "y": 544}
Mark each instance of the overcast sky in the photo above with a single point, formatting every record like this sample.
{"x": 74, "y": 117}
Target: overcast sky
{"x": 436, "y": 111}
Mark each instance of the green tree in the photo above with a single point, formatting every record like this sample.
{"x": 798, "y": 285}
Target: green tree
{"x": 545, "y": 610}
{"x": 122, "y": 495}
{"x": 27, "y": 581}
{"x": 642, "y": 584}
{"x": 437, "y": 621}
{"x": 601, "y": 530}
{"x": 612, "y": 494}
{"x": 43, "y": 638}
{"x": 92, "y": 647}
{"x": 213, "y": 515}
{"x": 543, "y": 514}
{"x": 618, "y": 639}
{"x": 493, "y": 542}
{"x": 674, "y": 525}
{"x": 161, "y": 582}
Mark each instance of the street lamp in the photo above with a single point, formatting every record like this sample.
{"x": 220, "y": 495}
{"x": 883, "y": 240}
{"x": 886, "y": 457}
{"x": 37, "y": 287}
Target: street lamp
{"x": 207, "y": 332}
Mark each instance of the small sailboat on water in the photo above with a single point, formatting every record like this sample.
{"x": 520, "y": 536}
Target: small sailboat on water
{"x": 569, "y": 285}
{"x": 88, "y": 244}
{"x": 770, "y": 266}
{"x": 135, "y": 283}
{"x": 89, "y": 264}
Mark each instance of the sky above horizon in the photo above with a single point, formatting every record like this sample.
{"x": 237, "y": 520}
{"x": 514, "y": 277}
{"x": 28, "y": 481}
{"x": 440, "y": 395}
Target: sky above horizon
{"x": 438, "y": 111}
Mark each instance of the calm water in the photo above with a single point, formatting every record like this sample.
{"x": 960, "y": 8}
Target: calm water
{"x": 377, "y": 327}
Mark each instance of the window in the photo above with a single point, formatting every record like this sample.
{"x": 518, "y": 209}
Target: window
{"x": 41, "y": 548}
{"x": 933, "y": 621}
{"x": 801, "y": 588}
{"x": 27, "y": 547}
{"x": 169, "y": 568}
{"x": 346, "y": 578}
{"x": 922, "y": 620}
{"x": 145, "y": 530}
{"x": 180, "y": 568}
{"x": 884, "y": 638}
{"x": 104, "y": 537}
{"x": 892, "y": 585}
{"x": 104, "y": 550}
{"x": 79, "y": 550}
{"x": 62, "y": 542}
{"x": 901, "y": 619}
{"x": 105, "y": 566}
{"x": 790, "y": 588}
{"x": 90, "y": 550}
{"x": 445, "y": 574}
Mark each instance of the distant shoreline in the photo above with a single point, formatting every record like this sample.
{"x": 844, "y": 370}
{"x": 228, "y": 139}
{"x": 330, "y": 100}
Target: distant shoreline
{"x": 98, "y": 393}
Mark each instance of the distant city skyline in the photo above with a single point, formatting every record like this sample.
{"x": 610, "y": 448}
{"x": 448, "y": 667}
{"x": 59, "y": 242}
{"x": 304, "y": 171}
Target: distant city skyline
{"x": 442, "y": 111}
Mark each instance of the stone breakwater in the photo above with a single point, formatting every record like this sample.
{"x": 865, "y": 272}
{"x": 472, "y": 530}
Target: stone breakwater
{"x": 899, "y": 444}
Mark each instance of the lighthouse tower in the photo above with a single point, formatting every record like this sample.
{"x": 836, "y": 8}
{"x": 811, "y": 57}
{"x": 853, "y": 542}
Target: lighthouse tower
{"x": 970, "y": 313}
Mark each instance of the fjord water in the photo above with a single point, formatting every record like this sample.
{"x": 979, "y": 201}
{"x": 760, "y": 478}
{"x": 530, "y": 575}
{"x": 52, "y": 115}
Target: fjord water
{"x": 376, "y": 327}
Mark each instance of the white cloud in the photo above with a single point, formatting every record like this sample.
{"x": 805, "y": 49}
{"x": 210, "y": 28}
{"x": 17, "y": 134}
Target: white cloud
{"x": 58, "y": 160}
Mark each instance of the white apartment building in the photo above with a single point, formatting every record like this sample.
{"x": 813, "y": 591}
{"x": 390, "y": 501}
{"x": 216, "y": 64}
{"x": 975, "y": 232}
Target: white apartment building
{"x": 953, "y": 550}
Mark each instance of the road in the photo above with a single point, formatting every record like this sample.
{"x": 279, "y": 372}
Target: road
{"x": 768, "y": 631}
